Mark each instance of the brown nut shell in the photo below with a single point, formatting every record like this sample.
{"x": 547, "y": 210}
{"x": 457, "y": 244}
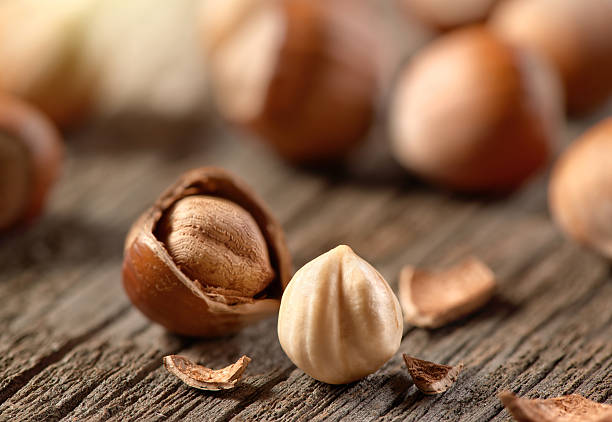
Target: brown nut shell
{"x": 575, "y": 36}
{"x": 40, "y": 155}
{"x": 312, "y": 74}
{"x": 157, "y": 287}
{"x": 580, "y": 191}
{"x": 449, "y": 14}
{"x": 571, "y": 408}
{"x": 473, "y": 114}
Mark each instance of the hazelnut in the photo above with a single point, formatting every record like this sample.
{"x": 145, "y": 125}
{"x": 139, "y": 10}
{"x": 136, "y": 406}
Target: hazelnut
{"x": 575, "y": 36}
{"x": 39, "y": 55}
{"x": 208, "y": 258}
{"x": 303, "y": 75}
{"x": 155, "y": 68}
{"x": 580, "y": 192}
{"x": 30, "y": 160}
{"x": 339, "y": 320}
{"x": 473, "y": 114}
{"x": 448, "y": 14}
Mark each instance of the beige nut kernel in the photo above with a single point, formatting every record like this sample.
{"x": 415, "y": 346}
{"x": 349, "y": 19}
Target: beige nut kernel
{"x": 339, "y": 320}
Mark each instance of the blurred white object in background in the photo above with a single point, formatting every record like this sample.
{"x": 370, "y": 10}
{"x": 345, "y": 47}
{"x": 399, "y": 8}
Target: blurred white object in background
{"x": 39, "y": 54}
{"x": 146, "y": 58}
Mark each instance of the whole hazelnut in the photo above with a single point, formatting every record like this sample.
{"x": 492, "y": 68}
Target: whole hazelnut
{"x": 473, "y": 114}
{"x": 339, "y": 320}
{"x": 575, "y": 36}
{"x": 208, "y": 258}
{"x": 580, "y": 192}
{"x": 303, "y": 75}
{"x": 30, "y": 160}
{"x": 40, "y": 55}
{"x": 448, "y": 14}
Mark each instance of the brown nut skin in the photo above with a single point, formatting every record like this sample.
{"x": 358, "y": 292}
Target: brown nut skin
{"x": 448, "y": 14}
{"x": 158, "y": 288}
{"x": 311, "y": 82}
{"x": 36, "y": 159}
{"x": 575, "y": 36}
{"x": 472, "y": 114}
{"x": 580, "y": 190}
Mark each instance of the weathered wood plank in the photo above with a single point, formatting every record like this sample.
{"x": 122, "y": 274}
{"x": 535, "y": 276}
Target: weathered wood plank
{"x": 73, "y": 348}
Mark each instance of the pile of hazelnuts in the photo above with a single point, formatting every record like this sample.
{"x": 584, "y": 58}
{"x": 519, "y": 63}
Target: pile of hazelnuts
{"x": 479, "y": 109}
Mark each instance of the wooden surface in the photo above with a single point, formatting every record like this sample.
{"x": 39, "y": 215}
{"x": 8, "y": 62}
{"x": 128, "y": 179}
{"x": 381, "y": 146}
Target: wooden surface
{"x": 73, "y": 348}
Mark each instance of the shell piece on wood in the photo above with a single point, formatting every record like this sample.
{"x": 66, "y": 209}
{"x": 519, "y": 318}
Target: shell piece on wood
{"x": 433, "y": 299}
{"x": 429, "y": 377}
{"x": 572, "y": 408}
{"x": 203, "y": 378}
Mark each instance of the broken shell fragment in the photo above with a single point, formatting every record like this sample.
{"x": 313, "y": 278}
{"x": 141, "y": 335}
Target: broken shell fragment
{"x": 433, "y": 299}
{"x": 430, "y": 377}
{"x": 203, "y": 378}
{"x": 558, "y": 409}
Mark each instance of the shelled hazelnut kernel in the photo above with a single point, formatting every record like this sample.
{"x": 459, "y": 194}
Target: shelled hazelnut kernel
{"x": 302, "y": 75}
{"x": 30, "y": 161}
{"x": 474, "y": 114}
{"x": 339, "y": 320}
{"x": 207, "y": 258}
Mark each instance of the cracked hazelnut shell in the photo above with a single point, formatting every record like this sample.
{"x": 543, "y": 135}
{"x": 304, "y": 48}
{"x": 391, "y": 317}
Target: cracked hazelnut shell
{"x": 159, "y": 287}
{"x": 302, "y": 75}
{"x": 580, "y": 190}
{"x": 30, "y": 161}
{"x": 339, "y": 320}
{"x": 475, "y": 115}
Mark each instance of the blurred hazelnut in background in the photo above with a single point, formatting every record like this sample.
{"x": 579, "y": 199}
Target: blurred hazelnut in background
{"x": 576, "y": 36}
{"x": 473, "y": 114}
{"x": 145, "y": 58}
{"x": 580, "y": 192}
{"x": 448, "y": 14}
{"x": 303, "y": 75}
{"x": 40, "y": 47}
{"x": 30, "y": 160}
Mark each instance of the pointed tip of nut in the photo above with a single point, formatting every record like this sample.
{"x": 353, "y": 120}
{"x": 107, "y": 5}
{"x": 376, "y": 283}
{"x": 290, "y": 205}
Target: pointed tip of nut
{"x": 430, "y": 377}
{"x": 433, "y": 299}
{"x": 203, "y": 378}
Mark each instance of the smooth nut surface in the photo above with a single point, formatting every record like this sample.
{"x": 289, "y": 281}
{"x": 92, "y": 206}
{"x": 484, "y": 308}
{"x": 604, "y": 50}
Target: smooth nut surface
{"x": 15, "y": 178}
{"x": 302, "y": 75}
{"x": 30, "y": 160}
{"x": 472, "y": 114}
{"x": 339, "y": 320}
{"x": 580, "y": 192}
{"x": 575, "y": 36}
{"x": 217, "y": 243}
{"x": 158, "y": 286}
{"x": 447, "y": 14}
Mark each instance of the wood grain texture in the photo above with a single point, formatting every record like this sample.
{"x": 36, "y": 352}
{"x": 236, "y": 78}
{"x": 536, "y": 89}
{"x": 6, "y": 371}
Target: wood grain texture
{"x": 73, "y": 348}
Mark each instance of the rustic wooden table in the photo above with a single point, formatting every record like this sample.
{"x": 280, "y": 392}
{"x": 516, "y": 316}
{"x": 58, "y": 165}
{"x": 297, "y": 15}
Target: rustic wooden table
{"x": 73, "y": 348}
